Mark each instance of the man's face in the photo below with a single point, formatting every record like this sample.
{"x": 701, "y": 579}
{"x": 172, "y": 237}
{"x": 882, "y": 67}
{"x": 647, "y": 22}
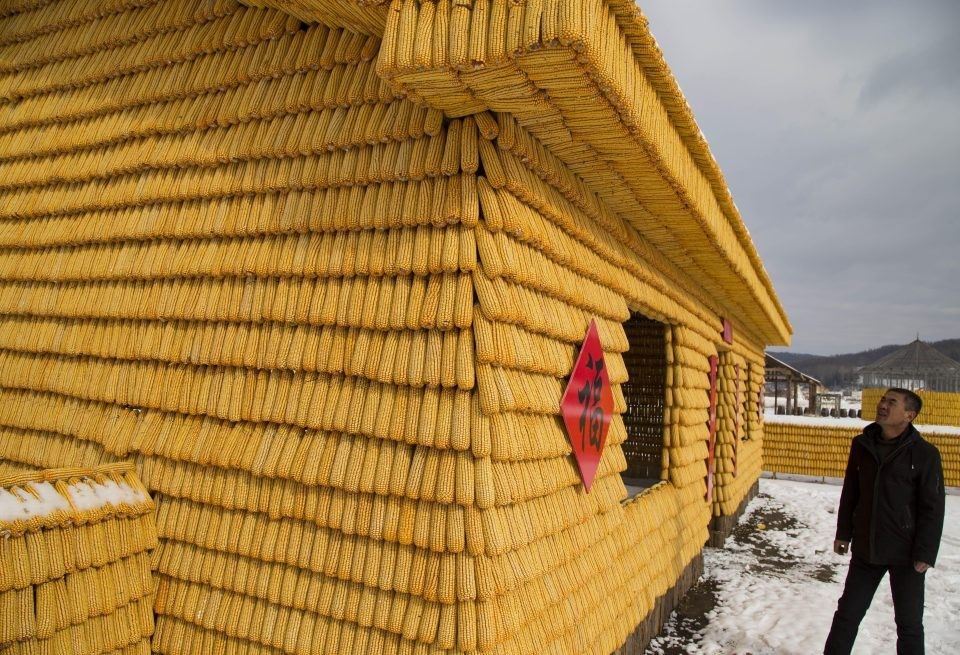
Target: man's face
{"x": 892, "y": 412}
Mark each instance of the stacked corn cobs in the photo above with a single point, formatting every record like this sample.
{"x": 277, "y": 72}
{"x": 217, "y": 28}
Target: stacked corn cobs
{"x": 806, "y": 449}
{"x": 74, "y": 562}
{"x": 819, "y": 450}
{"x": 949, "y": 447}
{"x": 939, "y": 407}
{"x": 235, "y": 255}
{"x": 737, "y": 456}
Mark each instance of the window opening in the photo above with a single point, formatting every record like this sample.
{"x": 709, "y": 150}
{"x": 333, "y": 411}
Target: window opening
{"x": 645, "y": 394}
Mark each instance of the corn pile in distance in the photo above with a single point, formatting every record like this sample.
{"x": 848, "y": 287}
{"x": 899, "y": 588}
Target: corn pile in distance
{"x": 822, "y": 451}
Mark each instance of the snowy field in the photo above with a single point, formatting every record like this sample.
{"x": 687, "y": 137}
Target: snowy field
{"x": 774, "y": 588}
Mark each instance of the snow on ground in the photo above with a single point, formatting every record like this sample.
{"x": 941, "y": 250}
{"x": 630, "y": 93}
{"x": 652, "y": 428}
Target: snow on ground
{"x": 774, "y": 587}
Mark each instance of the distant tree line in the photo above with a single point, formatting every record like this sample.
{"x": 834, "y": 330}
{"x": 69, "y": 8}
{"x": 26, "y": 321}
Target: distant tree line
{"x": 840, "y": 371}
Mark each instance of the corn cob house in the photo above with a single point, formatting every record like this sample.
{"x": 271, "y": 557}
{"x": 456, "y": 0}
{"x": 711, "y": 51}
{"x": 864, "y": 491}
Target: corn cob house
{"x": 320, "y": 269}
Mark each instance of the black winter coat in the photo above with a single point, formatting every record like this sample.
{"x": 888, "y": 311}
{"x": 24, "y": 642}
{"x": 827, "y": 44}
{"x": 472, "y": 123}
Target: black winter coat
{"x": 892, "y": 511}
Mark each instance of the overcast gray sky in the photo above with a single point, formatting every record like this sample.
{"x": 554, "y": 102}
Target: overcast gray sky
{"x": 837, "y": 126}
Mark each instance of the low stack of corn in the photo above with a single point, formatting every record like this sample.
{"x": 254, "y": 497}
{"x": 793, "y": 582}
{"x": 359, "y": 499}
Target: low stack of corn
{"x": 806, "y": 449}
{"x": 949, "y": 446}
{"x": 939, "y": 407}
{"x": 75, "y": 562}
{"x": 818, "y": 450}
{"x": 330, "y": 318}
{"x": 868, "y": 402}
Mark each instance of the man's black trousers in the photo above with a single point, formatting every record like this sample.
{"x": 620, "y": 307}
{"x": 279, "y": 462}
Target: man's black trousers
{"x": 863, "y": 579}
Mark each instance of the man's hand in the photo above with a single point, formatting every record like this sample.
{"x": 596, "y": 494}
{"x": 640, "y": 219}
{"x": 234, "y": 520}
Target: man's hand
{"x": 841, "y": 547}
{"x": 920, "y": 567}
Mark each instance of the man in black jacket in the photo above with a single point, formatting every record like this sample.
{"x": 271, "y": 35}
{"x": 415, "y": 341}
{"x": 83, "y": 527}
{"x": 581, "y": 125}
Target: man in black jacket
{"x": 891, "y": 509}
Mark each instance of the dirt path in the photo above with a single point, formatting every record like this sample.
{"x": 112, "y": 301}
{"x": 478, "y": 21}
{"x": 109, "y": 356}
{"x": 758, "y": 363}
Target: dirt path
{"x": 682, "y": 633}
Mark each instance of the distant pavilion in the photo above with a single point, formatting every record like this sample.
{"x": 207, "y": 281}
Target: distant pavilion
{"x": 922, "y": 368}
{"x": 917, "y": 365}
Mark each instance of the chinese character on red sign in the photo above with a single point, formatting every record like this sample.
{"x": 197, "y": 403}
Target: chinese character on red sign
{"x": 712, "y": 425}
{"x": 587, "y": 405}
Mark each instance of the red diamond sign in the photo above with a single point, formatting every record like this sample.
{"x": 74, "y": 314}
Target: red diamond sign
{"x": 587, "y": 405}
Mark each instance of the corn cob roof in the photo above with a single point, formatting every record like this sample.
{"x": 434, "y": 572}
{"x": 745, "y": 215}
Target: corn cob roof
{"x": 638, "y": 138}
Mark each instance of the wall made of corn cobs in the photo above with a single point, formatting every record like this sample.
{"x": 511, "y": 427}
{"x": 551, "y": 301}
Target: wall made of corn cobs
{"x": 234, "y": 255}
{"x": 543, "y": 273}
{"x": 822, "y": 451}
{"x": 738, "y": 449}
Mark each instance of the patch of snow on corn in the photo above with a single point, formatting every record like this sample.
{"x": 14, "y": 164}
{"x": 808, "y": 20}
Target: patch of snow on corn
{"x": 37, "y": 499}
{"x": 89, "y": 495}
{"x": 33, "y": 499}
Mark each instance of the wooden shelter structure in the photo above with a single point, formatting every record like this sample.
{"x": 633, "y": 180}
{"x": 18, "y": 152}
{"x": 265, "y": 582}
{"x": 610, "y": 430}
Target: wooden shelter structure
{"x": 320, "y": 270}
{"x": 777, "y": 371}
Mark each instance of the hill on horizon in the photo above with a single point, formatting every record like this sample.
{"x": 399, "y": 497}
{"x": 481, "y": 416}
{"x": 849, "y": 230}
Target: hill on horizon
{"x": 840, "y": 371}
